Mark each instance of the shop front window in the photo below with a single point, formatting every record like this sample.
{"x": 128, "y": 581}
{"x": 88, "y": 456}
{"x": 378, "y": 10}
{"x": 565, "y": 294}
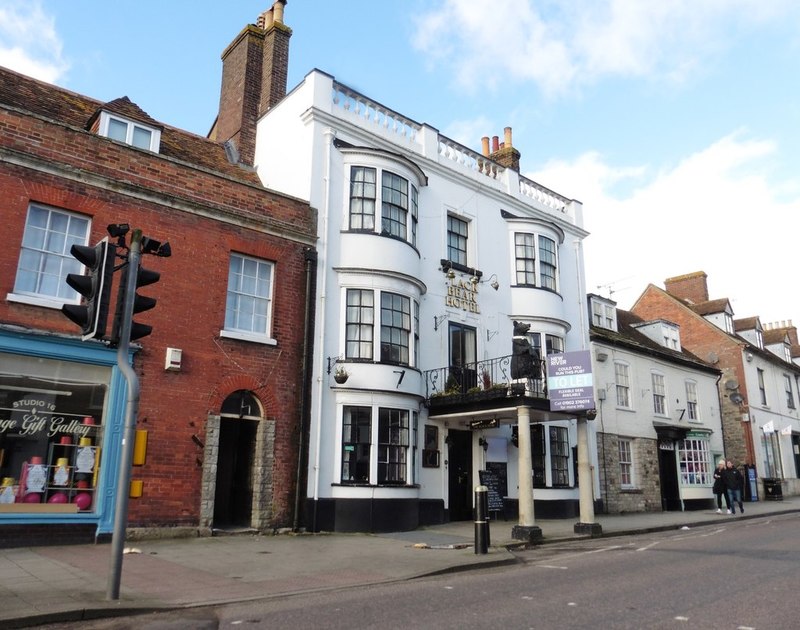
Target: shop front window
{"x": 51, "y": 429}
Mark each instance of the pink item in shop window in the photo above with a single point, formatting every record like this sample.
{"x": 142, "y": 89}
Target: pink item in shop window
{"x": 83, "y": 500}
{"x": 58, "y": 497}
{"x": 32, "y": 497}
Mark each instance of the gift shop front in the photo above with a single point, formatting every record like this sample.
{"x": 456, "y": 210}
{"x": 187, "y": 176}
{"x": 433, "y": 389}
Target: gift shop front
{"x": 58, "y": 439}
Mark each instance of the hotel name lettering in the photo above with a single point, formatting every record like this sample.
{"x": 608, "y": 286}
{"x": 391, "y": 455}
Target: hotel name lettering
{"x": 463, "y": 295}
{"x": 33, "y": 417}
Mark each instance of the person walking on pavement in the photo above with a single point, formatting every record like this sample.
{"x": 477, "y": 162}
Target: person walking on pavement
{"x": 734, "y": 482}
{"x": 719, "y": 487}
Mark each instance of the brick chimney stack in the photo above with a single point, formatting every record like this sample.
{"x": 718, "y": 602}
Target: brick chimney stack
{"x": 692, "y": 287}
{"x": 504, "y": 153}
{"x": 254, "y": 74}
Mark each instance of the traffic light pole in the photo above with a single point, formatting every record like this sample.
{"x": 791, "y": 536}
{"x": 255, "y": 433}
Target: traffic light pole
{"x": 131, "y": 410}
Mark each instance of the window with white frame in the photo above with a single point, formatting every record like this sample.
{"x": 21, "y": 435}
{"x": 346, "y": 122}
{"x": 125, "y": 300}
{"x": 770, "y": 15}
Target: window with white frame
{"x": 547, "y": 263}
{"x": 559, "y": 455}
{"x": 671, "y": 336}
{"x": 528, "y": 248}
{"x": 525, "y": 254}
{"x": 133, "y": 133}
{"x": 604, "y": 315}
{"x": 360, "y": 326}
{"x": 356, "y": 444}
{"x": 45, "y": 258}
{"x": 727, "y": 320}
{"x": 394, "y": 205}
{"x": 695, "y": 459}
{"x": 761, "y": 386}
{"x": 457, "y": 234}
{"x": 692, "y": 410}
{"x": 659, "y": 395}
{"x": 787, "y": 352}
{"x": 397, "y": 197}
{"x": 625, "y": 463}
{"x": 395, "y": 328}
{"x": 623, "y": 384}
{"x": 362, "y": 198}
{"x": 248, "y": 307}
{"x": 787, "y": 383}
{"x": 392, "y": 445}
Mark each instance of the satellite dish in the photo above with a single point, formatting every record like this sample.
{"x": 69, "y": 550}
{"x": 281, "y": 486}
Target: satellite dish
{"x": 737, "y": 398}
{"x": 713, "y": 358}
{"x": 732, "y": 384}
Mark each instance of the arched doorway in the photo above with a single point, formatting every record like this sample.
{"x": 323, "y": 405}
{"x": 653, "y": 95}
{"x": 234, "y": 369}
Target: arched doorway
{"x": 236, "y": 454}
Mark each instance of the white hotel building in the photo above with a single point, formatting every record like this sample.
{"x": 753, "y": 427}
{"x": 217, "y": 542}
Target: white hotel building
{"x": 427, "y": 254}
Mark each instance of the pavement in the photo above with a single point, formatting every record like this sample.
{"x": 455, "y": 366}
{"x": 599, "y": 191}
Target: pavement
{"x": 52, "y": 584}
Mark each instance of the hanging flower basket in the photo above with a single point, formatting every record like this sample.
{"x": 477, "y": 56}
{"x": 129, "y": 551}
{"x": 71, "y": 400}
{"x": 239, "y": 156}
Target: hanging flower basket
{"x": 340, "y": 375}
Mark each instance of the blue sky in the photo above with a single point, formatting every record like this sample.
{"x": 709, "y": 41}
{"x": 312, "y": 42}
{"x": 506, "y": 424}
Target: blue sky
{"x": 676, "y": 123}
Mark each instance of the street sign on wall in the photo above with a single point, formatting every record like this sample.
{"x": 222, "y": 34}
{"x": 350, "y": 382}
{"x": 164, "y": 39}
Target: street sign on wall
{"x": 569, "y": 381}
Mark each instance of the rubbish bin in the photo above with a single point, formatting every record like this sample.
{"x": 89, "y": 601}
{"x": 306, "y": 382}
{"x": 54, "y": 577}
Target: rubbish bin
{"x": 772, "y": 489}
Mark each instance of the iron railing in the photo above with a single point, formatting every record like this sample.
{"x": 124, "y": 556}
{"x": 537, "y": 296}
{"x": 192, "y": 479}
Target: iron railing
{"x": 489, "y": 376}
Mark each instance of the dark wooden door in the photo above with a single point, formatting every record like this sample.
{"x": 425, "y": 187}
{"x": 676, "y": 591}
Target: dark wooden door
{"x": 459, "y": 471}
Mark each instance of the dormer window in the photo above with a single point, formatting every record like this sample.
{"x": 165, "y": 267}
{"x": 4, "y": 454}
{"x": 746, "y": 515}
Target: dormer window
{"x": 604, "y": 313}
{"x": 130, "y": 132}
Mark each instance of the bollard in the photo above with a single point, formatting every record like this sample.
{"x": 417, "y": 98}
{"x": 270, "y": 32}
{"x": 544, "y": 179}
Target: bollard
{"x": 481, "y": 520}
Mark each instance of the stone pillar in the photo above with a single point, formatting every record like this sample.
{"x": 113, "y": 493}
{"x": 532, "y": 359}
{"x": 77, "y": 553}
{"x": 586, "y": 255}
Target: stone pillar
{"x": 526, "y": 529}
{"x": 586, "y": 525}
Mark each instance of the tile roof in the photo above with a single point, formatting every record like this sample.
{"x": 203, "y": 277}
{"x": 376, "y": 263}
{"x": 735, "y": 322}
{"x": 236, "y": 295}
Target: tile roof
{"x": 629, "y": 336}
{"x": 75, "y": 110}
{"x": 746, "y": 323}
{"x": 707, "y": 308}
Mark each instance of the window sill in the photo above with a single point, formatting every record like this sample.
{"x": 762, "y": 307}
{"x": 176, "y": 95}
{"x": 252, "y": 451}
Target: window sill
{"x": 630, "y": 490}
{"x": 245, "y": 336}
{"x": 44, "y": 302}
{"x": 361, "y": 484}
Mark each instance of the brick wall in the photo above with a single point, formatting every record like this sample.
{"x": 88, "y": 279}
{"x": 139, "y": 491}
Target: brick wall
{"x": 711, "y": 344}
{"x": 205, "y": 217}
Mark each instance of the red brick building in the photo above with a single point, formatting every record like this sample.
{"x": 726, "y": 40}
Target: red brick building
{"x": 760, "y": 381}
{"x": 221, "y": 374}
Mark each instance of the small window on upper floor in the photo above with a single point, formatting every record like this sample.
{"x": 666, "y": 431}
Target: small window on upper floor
{"x": 727, "y": 320}
{"x": 130, "y": 132}
{"x": 528, "y": 248}
{"x": 45, "y": 259}
{"x": 604, "y": 314}
{"x": 457, "y": 234}
{"x": 396, "y": 196}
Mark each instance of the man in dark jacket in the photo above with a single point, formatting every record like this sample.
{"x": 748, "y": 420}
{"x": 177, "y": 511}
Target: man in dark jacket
{"x": 734, "y": 484}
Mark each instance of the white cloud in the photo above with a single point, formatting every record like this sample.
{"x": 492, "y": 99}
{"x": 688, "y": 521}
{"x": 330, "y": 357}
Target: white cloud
{"x": 562, "y": 46}
{"x": 715, "y": 211}
{"x": 29, "y": 42}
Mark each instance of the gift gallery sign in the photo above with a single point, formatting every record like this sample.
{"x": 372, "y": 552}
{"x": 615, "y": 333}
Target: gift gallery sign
{"x": 569, "y": 381}
{"x": 35, "y": 417}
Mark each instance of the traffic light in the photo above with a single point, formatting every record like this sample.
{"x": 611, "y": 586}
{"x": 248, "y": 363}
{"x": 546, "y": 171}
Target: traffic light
{"x": 95, "y": 288}
{"x": 141, "y": 303}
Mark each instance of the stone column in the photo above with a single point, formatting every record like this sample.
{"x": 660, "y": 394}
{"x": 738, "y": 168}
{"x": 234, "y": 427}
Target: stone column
{"x": 586, "y": 525}
{"x": 526, "y": 529}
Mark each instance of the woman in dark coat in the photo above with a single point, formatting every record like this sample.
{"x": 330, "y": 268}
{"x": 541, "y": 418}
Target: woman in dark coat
{"x": 719, "y": 487}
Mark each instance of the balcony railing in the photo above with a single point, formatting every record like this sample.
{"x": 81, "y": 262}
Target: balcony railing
{"x": 490, "y": 378}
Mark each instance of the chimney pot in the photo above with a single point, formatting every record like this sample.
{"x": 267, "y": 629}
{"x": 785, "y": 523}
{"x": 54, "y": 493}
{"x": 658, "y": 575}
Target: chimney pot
{"x": 507, "y": 139}
{"x": 278, "y": 10}
{"x": 485, "y": 146}
{"x": 495, "y": 143}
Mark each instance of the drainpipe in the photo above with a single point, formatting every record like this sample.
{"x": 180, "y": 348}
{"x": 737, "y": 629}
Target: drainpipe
{"x": 323, "y": 249}
{"x": 311, "y": 261}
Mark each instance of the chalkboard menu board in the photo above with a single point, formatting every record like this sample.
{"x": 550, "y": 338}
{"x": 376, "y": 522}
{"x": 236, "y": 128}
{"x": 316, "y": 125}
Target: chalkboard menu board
{"x": 493, "y": 480}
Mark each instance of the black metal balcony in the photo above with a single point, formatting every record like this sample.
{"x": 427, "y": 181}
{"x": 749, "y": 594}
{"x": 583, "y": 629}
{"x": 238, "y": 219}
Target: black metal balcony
{"x": 487, "y": 381}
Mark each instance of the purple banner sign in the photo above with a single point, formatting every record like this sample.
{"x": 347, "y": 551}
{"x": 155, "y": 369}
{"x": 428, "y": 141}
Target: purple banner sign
{"x": 569, "y": 381}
